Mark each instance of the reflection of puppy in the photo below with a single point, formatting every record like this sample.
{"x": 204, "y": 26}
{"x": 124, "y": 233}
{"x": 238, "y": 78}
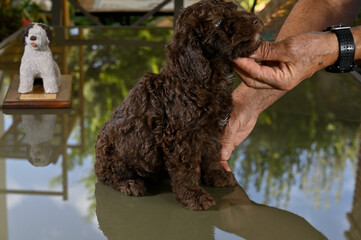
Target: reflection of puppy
{"x": 173, "y": 121}
{"x": 158, "y": 217}
{"x": 39, "y": 131}
{"x": 37, "y": 61}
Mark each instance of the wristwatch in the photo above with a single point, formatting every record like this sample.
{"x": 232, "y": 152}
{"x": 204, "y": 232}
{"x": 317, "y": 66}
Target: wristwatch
{"x": 345, "y": 62}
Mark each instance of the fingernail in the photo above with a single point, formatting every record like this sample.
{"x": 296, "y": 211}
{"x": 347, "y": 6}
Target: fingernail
{"x": 224, "y": 153}
{"x": 253, "y": 55}
{"x": 225, "y": 165}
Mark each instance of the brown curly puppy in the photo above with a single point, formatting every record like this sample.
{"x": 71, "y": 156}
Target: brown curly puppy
{"x": 173, "y": 121}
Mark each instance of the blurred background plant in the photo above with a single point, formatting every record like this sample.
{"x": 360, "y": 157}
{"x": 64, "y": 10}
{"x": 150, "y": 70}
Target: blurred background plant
{"x": 14, "y": 14}
{"x": 253, "y": 5}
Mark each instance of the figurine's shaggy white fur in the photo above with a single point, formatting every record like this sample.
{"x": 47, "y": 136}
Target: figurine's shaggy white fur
{"x": 37, "y": 61}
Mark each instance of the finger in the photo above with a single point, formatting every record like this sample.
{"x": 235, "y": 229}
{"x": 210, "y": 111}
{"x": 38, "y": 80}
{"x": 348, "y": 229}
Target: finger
{"x": 226, "y": 151}
{"x": 228, "y": 139}
{"x": 267, "y": 51}
{"x": 272, "y": 76}
{"x": 251, "y": 82}
{"x": 253, "y": 69}
{"x": 227, "y": 148}
{"x": 225, "y": 165}
{"x": 227, "y": 145}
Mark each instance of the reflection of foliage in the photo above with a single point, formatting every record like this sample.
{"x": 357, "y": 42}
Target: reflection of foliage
{"x": 277, "y": 156}
{"x": 112, "y": 72}
{"x": 89, "y": 183}
{"x": 309, "y": 147}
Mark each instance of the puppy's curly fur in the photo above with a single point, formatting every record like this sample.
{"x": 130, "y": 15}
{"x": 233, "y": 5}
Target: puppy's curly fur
{"x": 173, "y": 121}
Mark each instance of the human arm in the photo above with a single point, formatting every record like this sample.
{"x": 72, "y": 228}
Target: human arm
{"x": 310, "y": 15}
{"x": 250, "y": 102}
{"x": 301, "y": 55}
{"x": 290, "y": 61}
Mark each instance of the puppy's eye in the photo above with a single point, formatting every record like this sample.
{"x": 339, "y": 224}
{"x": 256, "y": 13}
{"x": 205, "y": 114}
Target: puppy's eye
{"x": 219, "y": 23}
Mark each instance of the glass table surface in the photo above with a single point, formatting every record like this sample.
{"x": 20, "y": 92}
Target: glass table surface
{"x": 300, "y": 167}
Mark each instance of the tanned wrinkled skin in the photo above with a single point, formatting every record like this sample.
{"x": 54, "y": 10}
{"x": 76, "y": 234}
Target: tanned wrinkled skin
{"x": 172, "y": 122}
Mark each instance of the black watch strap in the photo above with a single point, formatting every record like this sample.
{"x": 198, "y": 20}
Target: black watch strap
{"x": 345, "y": 62}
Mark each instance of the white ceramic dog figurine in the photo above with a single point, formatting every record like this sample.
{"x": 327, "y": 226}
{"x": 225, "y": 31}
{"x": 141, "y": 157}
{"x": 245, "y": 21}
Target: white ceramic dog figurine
{"x": 37, "y": 61}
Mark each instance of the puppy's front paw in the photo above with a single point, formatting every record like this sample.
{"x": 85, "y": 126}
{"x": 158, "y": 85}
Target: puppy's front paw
{"x": 220, "y": 178}
{"x": 197, "y": 200}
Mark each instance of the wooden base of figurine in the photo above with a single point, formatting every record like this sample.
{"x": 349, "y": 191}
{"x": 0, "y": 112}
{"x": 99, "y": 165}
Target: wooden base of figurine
{"x": 38, "y": 98}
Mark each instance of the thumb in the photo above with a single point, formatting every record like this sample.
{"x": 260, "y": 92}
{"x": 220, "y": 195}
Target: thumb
{"x": 225, "y": 165}
{"x": 227, "y": 145}
{"x": 226, "y": 151}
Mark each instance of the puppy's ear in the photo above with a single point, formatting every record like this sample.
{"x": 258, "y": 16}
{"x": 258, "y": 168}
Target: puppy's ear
{"x": 184, "y": 51}
{"x": 186, "y": 58}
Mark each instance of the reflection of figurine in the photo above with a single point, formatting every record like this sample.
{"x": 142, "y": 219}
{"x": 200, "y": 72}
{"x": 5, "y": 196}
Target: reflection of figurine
{"x": 37, "y": 61}
{"x": 39, "y": 131}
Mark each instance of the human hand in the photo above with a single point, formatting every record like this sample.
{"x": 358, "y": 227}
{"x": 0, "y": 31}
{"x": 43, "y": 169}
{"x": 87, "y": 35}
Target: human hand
{"x": 239, "y": 126}
{"x": 283, "y": 65}
{"x": 234, "y": 133}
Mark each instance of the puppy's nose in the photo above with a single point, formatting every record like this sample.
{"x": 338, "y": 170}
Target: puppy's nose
{"x": 32, "y": 38}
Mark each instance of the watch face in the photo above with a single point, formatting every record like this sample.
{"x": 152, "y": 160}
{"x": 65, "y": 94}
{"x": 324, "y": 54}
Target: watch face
{"x": 339, "y": 27}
